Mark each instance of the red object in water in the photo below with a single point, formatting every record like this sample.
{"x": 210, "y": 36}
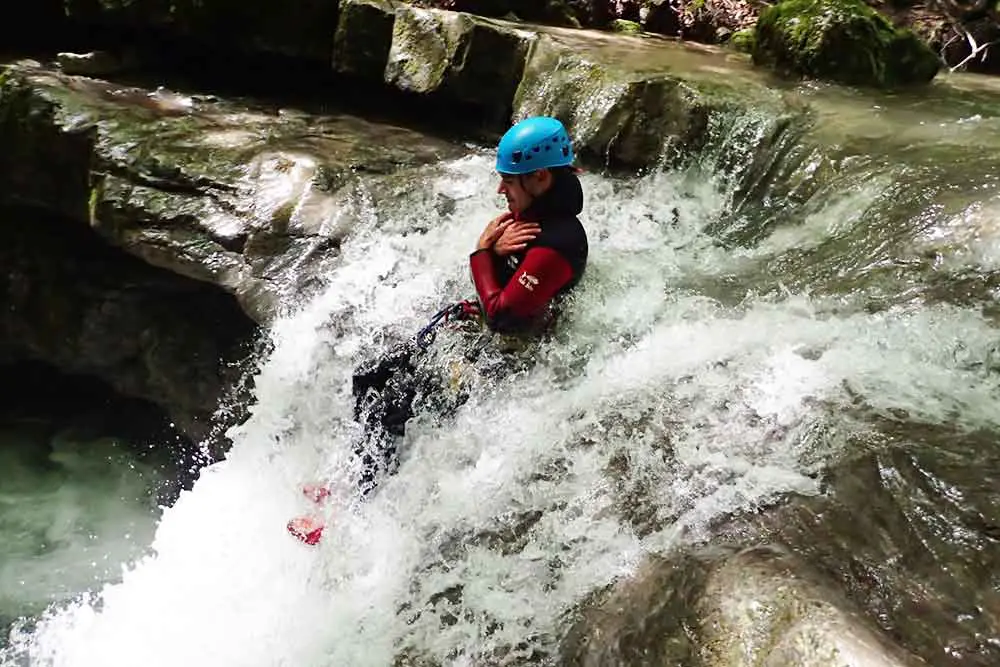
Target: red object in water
{"x": 316, "y": 492}
{"x": 306, "y": 529}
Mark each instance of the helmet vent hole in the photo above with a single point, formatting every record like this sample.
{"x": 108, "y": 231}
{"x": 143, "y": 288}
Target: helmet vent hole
{"x": 516, "y": 156}
{"x": 565, "y": 151}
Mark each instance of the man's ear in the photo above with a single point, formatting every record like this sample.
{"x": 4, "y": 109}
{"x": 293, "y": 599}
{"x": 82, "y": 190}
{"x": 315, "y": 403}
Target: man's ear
{"x": 545, "y": 178}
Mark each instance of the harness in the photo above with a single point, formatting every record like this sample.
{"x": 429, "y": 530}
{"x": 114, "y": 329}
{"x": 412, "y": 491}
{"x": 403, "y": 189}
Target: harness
{"x": 463, "y": 310}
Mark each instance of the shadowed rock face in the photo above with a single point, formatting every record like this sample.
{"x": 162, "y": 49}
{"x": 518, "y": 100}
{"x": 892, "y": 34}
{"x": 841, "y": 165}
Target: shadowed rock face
{"x": 299, "y": 28}
{"x": 77, "y": 304}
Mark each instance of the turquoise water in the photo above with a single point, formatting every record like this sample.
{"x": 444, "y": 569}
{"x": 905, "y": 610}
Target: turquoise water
{"x": 74, "y": 509}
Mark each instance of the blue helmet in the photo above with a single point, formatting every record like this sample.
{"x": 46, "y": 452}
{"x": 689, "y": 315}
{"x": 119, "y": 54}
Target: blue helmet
{"x": 534, "y": 143}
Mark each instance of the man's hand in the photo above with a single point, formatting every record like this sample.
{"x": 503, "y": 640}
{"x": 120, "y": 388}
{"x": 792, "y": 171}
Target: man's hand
{"x": 515, "y": 237}
{"x": 493, "y": 230}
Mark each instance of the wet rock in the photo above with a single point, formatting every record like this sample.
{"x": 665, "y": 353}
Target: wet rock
{"x": 909, "y": 531}
{"x": 214, "y": 217}
{"x": 424, "y": 46}
{"x": 841, "y": 40}
{"x": 471, "y": 60}
{"x": 647, "y": 618}
{"x": 764, "y": 607}
{"x": 626, "y": 27}
{"x": 94, "y": 63}
{"x": 217, "y": 192}
{"x": 758, "y": 606}
{"x": 629, "y": 101}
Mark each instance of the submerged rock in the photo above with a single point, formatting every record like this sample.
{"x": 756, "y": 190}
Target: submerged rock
{"x": 841, "y": 40}
{"x": 764, "y": 607}
{"x": 910, "y": 531}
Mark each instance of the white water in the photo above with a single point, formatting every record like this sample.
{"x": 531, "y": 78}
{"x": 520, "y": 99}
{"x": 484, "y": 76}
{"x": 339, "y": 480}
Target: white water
{"x": 714, "y": 408}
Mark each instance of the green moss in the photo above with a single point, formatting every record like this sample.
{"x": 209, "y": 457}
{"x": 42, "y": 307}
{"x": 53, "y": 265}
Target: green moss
{"x": 628, "y": 27}
{"x": 840, "y": 40}
{"x": 742, "y": 40}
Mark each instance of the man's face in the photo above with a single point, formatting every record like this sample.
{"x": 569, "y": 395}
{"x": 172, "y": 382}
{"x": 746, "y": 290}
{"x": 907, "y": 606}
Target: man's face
{"x": 521, "y": 190}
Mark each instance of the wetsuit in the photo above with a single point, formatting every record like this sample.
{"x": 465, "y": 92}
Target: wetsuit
{"x": 516, "y": 291}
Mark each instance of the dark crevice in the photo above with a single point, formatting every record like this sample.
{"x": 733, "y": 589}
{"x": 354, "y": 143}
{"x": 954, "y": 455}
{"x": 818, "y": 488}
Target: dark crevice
{"x": 82, "y": 306}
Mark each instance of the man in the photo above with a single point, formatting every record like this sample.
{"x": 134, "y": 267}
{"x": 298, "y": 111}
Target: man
{"x": 536, "y": 251}
{"x": 524, "y": 260}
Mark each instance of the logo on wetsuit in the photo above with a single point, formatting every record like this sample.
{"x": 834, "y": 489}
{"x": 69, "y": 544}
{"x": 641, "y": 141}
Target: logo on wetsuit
{"x": 528, "y": 281}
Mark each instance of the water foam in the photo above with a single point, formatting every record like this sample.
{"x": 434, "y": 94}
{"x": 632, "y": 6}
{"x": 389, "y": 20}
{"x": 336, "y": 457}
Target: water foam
{"x": 672, "y": 410}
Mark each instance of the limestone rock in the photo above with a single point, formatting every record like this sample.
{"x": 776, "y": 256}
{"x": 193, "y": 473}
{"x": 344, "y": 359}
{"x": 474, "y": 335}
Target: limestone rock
{"x": 763, "y": 607}
{"x": 451, "y": 55}
{"x": 628, "y": 101}
{"x": 363, "y": 38}
{"x": 87, "y": 309}
{"x": 424, "y": 47}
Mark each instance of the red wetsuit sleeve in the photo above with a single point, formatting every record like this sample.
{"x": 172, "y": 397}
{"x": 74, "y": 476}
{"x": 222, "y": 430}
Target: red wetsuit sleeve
{"x": 539, "y": 277}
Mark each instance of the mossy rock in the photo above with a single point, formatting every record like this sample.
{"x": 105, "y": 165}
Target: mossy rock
{"x": 845, "y": 41}
{"x": 626, "y": 27}
{"x": 742, "y": 41}
{"x": 363, "y": 37}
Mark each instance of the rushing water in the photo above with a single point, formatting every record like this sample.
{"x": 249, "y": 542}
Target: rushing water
{"x": 732, "y": 344}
